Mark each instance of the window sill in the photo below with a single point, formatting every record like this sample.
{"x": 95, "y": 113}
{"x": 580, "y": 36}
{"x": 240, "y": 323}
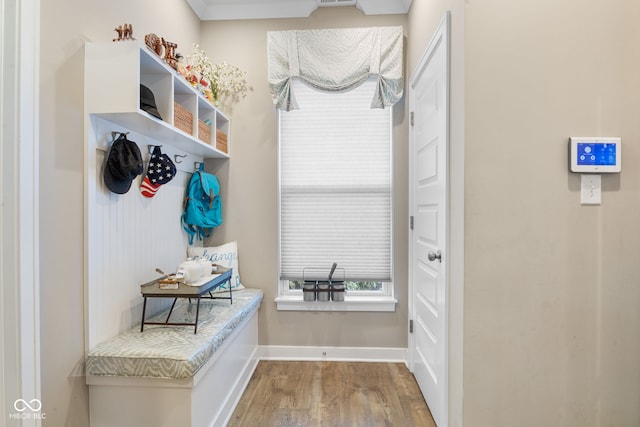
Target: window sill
{"x": 350, "y": 303}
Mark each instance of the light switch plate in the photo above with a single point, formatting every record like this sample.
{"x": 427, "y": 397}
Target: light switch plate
{"x": 591, "y": 189}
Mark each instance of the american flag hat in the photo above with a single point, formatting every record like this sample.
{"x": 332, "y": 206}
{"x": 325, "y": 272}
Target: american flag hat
{"x": 159, "y": 171}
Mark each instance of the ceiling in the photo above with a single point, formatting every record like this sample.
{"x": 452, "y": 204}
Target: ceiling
{"x": 216, "y": 10}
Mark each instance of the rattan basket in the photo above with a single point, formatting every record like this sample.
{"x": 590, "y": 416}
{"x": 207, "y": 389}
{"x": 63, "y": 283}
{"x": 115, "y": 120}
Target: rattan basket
{"x": 221, "y": 141}
{"x": 182, "y": 118}
{"x": 204, "y": 132}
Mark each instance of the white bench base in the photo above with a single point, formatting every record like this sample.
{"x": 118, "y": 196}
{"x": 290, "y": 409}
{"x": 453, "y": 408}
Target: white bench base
{"x": 207, "y": 399}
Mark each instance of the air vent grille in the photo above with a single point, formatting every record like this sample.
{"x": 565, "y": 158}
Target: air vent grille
{"x": 329, "y": 3}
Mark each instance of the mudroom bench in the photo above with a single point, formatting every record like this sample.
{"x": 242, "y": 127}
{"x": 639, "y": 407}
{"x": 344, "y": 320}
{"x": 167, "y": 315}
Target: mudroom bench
{"x": 169, "y": 376}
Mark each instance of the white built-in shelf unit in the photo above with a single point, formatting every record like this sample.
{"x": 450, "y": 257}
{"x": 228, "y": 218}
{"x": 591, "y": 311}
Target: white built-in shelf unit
{"x": 113, "y": 74}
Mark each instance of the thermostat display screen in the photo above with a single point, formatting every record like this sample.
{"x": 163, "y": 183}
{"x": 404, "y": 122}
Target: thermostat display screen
{"x": 596, "y": 154}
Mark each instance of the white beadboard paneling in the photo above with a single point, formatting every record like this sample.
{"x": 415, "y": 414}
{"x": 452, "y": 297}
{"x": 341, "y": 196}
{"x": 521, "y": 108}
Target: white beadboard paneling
{"x": 129, "y": 236}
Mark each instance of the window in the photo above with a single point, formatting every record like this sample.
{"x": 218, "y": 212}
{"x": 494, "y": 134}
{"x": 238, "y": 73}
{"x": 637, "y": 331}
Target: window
{"x": 335, "y": 196}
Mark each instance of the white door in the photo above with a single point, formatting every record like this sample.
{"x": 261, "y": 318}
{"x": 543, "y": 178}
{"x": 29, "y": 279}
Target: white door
{"x": 428, "y": 293}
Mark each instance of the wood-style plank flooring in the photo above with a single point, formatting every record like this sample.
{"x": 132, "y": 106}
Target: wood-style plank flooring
{"x": 331, "y": 394}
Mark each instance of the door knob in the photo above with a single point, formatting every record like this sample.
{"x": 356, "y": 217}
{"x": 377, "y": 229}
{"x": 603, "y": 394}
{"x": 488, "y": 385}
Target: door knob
{"x": 435, "y": 255}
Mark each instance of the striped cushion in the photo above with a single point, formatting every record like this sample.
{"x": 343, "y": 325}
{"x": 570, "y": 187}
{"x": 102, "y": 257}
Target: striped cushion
{"x": 173, "y": 351}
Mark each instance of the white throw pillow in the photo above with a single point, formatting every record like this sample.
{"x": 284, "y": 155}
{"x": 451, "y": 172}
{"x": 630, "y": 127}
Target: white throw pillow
{"x": 226, "y": 256}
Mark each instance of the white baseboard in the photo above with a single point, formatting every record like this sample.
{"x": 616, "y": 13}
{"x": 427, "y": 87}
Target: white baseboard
{"x": 335, "y": 354}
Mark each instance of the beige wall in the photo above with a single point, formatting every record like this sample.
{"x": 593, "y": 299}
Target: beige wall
{"x": 65, "y": 26}
{"x": 250, "y": 186}
{"x": 550, "y": 287}
{"x": 552, "y": 295}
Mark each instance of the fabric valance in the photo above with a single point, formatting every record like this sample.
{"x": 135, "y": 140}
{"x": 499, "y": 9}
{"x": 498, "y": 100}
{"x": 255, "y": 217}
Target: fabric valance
{"x": 336, "y": 60}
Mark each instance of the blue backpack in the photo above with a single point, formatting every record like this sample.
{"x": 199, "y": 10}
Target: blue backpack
{"x": 202, "y": 205}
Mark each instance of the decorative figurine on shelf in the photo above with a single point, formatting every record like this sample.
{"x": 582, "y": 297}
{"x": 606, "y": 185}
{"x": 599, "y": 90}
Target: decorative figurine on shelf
{"x": 154, "y": 43}
{"x": 125, "y": 32}
{"x": 170, "y": 53}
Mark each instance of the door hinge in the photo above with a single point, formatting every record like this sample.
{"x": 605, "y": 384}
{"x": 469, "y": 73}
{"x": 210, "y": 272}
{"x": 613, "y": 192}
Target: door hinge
{"x": 411, "y": 222}
{"x": 411, "y": 118}
{"x": 411, "y": 326}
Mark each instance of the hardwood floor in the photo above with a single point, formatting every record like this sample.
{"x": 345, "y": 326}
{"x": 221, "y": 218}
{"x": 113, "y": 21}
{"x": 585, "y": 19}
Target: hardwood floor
{"x": 331, "y": 394}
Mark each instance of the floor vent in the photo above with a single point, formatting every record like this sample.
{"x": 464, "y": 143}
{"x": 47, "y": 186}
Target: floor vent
{"x": 329, "y": 3}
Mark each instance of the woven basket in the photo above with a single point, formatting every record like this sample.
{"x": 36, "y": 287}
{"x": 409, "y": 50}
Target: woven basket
{"x": 204, "y": 132}
{"x": 221, "y": 141}
{"x": 182, "y": 118}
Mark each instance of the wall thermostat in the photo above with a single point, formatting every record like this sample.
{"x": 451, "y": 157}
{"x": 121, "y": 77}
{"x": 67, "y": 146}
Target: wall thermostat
{"x": 596, "y": 155}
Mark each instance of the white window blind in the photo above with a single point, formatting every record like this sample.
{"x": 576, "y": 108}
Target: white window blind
{"x": 335, "y": 185}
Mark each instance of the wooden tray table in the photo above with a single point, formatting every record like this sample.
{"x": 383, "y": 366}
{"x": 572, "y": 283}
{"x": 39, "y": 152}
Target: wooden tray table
{"x": 196, "y": 291}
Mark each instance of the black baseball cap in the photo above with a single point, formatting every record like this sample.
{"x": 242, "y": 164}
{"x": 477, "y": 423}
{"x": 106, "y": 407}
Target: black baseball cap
{"x": 124, "y": 164}
{"x": 148, "y": 102}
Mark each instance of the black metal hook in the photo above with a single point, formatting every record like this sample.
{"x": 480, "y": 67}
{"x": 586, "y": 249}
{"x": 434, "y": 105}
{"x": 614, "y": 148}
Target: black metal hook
{"x": 151, "y": 147}
{"x": 118, "y": 134}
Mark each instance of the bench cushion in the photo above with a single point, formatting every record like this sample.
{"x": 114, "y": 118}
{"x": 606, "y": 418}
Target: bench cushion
{"x": 174, "y": 351}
